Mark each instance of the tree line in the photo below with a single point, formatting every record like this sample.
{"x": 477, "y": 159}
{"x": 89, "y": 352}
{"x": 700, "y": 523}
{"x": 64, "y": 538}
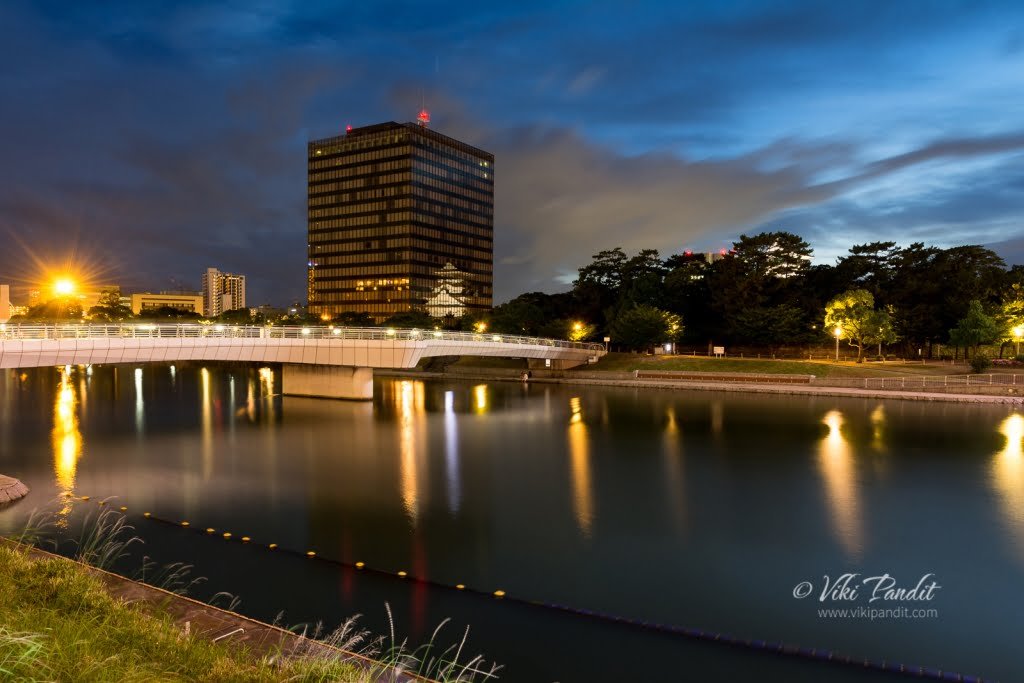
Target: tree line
{"x": 765, "y": 292}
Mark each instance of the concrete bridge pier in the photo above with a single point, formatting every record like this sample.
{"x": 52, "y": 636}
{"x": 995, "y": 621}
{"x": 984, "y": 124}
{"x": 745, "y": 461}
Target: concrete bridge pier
{"x": 327, "y": 381}
{"x": 554, "y": 363}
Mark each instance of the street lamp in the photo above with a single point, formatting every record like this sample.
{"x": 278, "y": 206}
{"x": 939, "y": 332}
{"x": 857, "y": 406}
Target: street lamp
{"x": 481, "y": 327}
{"x": 1018, "y": 332}
{"x": 839, "y": 333}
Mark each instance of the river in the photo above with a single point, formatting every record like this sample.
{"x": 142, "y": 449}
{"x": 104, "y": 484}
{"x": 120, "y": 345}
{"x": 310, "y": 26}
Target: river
{"x": 697, "y": 509}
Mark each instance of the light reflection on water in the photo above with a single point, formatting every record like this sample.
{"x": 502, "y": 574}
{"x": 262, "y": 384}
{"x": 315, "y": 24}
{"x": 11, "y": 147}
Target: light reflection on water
{"x": 579, "y": 456}
{"x": 66, "y": 437}
{"x": 484, "y": 453}
{"x": 411, "y": 439}
{"x": 1008, "y": 477}
{"x": 838, "y": 470}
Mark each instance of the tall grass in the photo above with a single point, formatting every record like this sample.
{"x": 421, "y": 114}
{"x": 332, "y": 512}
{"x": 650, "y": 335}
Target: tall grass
{"x": 20, "y": 652}
{"x": 105, "y": 539}
{"x": 77, "y": 608}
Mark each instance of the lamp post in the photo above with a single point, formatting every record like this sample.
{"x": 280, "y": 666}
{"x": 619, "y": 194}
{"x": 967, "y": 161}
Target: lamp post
{"x": 839, "y": 333}
{"x": 1018, "y": 332}
{"x": 606, "y": 340}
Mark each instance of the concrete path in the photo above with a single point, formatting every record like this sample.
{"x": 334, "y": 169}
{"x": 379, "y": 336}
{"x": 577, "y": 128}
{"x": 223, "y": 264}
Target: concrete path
{"x": 11, "y": 490}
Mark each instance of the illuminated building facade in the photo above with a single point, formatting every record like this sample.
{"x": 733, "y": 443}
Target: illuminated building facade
{"x": 390, "y": 205}
{"x": 222, "y": 292}
{"x": 147, "y": 302}
{"x": 448, "y": 297}
{"x": 5, "y": 303}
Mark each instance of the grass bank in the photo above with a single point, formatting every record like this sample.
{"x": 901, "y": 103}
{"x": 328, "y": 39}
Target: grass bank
{"x": 627, "y": 362}
{"x": 59, "y": 623}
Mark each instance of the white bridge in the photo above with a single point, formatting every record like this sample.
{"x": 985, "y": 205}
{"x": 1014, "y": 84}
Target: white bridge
{"x": 330, "y": 362}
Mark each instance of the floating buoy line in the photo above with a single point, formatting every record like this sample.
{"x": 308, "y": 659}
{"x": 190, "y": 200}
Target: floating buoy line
{"x": 775, "y": 647}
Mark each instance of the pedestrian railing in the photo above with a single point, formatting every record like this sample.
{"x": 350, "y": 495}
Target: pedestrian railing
{"x": 923, "y": 381}
{"x": 197, "y": 331}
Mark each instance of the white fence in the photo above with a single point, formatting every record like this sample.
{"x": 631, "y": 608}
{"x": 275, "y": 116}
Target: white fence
{"x": 922, "y": 382}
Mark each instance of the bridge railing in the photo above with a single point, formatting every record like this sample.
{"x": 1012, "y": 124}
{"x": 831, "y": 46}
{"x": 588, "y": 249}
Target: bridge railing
{"x": 192, "y": 330}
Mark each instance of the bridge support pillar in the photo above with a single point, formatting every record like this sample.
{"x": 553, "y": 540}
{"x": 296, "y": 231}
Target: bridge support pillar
{"x": 327, "y": 381}
{"x": 554, "y": 364}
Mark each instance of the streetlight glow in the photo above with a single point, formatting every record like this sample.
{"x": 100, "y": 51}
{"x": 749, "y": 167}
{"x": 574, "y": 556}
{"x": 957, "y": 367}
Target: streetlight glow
{"x": 64, "y": 287}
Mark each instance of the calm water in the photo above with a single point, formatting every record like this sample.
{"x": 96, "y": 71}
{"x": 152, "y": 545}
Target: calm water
{"x": 698, "y": 509}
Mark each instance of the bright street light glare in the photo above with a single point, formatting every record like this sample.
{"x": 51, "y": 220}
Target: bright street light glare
{"x": 64, "y": 287}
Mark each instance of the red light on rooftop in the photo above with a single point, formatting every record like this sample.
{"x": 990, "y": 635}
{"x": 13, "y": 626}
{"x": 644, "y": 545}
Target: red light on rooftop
{"x": 423, "y": 117}
{"x": 348, "y": 128}
{"x": 723, "y": 252}
{"x": 688, "y": 252}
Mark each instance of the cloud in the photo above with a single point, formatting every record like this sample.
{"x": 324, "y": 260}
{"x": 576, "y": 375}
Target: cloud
{"x": 157, "y": 140}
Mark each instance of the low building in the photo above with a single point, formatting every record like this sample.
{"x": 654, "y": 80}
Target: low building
{"x": 5, "y": 303}
{"x": 186, "y": 303}
{"x": 449, "y": 294}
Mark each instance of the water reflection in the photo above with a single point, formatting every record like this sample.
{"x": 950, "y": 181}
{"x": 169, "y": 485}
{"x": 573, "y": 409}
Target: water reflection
{"x": 836, "y": 461}
{"x": 674, "y": 467}
{"x": 1008, "y": 477}
{"x": 140, "y": 404}
{"x": 206, "y": 422}
{"x": 410, "y": 439}
{"x": 579, "y": 457}
{"x": 480, "y": 402}
{"x": 451, "y": 443}
{"x": 878, "y": 428}
{"x": 267, "y": 384}
{"x": 67, "y": 439}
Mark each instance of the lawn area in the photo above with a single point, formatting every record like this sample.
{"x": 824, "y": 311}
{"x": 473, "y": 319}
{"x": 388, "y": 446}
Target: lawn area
{"x": 627, "y": 362}
{"x": 58, "y": 623}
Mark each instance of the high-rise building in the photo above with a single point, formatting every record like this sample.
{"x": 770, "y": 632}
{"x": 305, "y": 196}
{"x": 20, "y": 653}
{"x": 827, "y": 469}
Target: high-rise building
{"x": 222, "y": 292}
{"x": 390, "y": 207}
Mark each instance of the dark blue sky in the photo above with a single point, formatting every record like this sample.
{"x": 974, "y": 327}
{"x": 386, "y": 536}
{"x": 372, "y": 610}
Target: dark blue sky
{"x": 150, "y": 140}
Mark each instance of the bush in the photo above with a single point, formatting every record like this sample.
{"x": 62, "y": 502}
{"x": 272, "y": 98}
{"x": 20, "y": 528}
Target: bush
{"x": 980, "y": 363}
{"x": 1020, "y": 358}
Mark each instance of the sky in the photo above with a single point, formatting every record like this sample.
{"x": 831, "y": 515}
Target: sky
{"x": 144, "y": 142}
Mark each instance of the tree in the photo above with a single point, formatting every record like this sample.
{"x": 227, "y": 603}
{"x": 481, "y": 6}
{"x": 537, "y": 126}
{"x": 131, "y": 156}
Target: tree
{"x": 853, "y": 313}
{"x": 239, "y": 316}
{"x": 168, "y": 312}
{"x": 56, "y": 309}
{"x": 771, "y": 326}
{"x": 641, "y": 327}
{"x": 1011, "y": 317}
{"x": 762, "y": 272}
{"x": 351, "y": 319}
{"x": 412, "y": 319}
{"x": 519, "y": 316}
{"x": 975, "y": 328}
{"x": 109, "y": 309}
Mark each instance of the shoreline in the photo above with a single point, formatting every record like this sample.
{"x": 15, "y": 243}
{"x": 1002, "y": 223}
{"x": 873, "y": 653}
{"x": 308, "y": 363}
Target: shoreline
{"x": 726, "y": 386}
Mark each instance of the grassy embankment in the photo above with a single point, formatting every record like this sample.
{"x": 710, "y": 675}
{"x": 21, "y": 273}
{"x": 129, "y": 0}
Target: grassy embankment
{"x": 628, "y": 362}
{"x": 59, "y": 623}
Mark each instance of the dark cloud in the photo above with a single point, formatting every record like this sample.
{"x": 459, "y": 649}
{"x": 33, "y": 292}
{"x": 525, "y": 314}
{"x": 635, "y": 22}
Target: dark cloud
{"x": 155, "y": 139}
